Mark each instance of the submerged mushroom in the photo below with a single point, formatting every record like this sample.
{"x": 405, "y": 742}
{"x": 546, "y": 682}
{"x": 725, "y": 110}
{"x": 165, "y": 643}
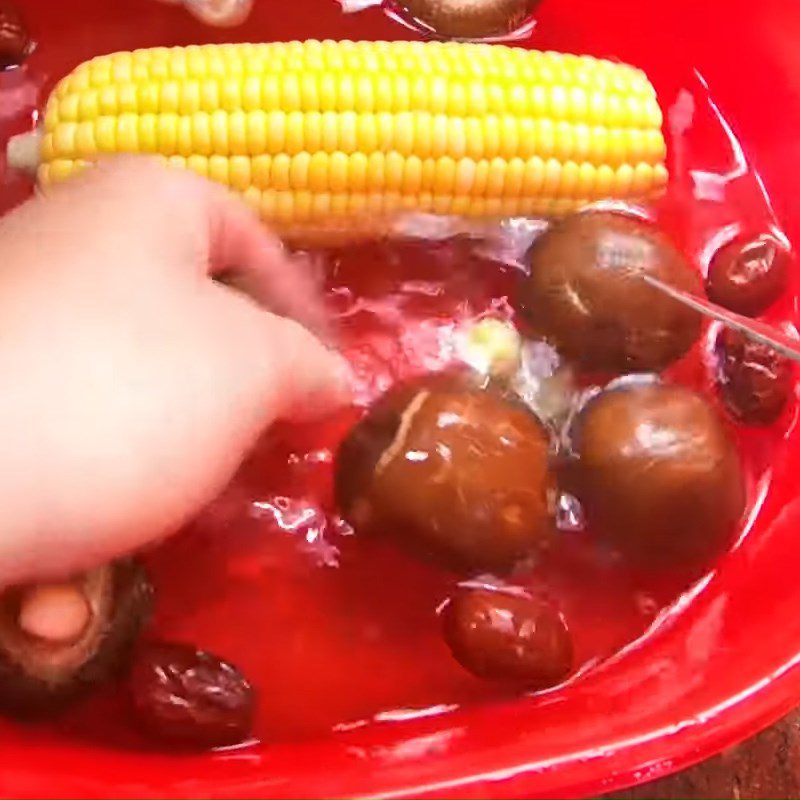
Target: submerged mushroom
{"x": 585, "y": 295}
{"x": 59, "y": 640}
{"x": 450, "y": 469}
{"x": 657, "y": 473}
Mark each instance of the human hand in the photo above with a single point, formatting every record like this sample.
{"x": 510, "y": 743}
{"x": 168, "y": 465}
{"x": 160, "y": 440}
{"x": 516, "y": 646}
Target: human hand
{"x": 134, "y": 383}
{"x": 220, "y": 13}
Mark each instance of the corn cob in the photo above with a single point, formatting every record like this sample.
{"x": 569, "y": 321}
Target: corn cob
{"x": 346, "y": 133}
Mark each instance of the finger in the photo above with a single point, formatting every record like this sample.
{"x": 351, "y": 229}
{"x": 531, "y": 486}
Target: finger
{"x": 310, "y": 379}
{"x": 200, "y": 224}
{"x": 220, "y": 13}
{"x": 230, "y": 244}
{"x": 284, "y": 369}
{"x": 245, "y": 255}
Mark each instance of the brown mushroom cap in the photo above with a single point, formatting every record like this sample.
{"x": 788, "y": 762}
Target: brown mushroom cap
{"x": 658, "y": 474}
{"x": 584, "y": 293}
{"x": 456, "y": 472}
{"x": 470, "y": 19}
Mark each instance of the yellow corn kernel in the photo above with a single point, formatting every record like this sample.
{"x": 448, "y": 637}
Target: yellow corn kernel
{"x": 252, "y": 196}
{"x": 642, "y": 178}
{"x": 239, "y": 172}
{"x": 359, "y": 165}
{"x": 337, "y": 172}
{"x": 106, "y": 134}
{"x": 624, "y": 180}
{"x": 279, "y": 174}
{"x": 514, "y": 176}
{"x": 570, "y": 176}
{"x": 261, "y": 171}
{"x": 230, "y": 98}
{"x": 185, "y": 137}
{"x": 393, "y": 171}
{"x": 308, "y": 131}
{"x": 298, "y": 171}
{"x": 47, "y": 148}
{"x": 219, "y": 169}
{"x": 107, "y": 100}
{"x": 189, "y": 101}
{"x": 219, "y": 132}
{"x": 69, "y": 108}
{"x": 237, "y": 133}
{"x": 63, "y": 168}
{"x": 533, "y": 177}
{"x": 198, "y": 164}
{"x": 276, "y": 132}
{"x": 167, "y": 134}
{"x": 128, "y": 133}
{"x": 64, "y": 139}
{"x": 209, "y": 96}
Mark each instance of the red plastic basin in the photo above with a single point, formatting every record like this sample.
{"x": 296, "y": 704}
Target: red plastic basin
{"x": 722, "y": 663}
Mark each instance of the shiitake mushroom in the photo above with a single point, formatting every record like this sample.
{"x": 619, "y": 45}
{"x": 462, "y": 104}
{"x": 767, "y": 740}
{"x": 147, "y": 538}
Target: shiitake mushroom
{"x": 452, "y": 470}
{"x": 585, "y": 295}
{"x": 59, "y": 641}
{"x": 657, "y": 473}
{"x": 470, "y": 19}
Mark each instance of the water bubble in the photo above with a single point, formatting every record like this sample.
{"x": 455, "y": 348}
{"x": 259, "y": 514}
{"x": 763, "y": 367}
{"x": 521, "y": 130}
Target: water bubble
{"x": 569, "y": 514}
{"x": 543, "y": 383}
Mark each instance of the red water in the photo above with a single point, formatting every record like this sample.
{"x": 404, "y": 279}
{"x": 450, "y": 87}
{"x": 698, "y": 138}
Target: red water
{"x": 333, "y": 629}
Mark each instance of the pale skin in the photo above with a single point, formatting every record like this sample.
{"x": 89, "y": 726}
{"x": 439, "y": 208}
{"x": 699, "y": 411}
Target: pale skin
{"x": 219, "y": 13}
{"x": 135, "y": 383}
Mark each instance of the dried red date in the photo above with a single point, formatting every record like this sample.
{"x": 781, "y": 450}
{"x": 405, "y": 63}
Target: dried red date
{"x": 14, "y": 40}
{"x": 754, "y": 380}
{"x": 748, "y": 275}
{"x": 508, "y": 636}
{"x": 188, "y": 697}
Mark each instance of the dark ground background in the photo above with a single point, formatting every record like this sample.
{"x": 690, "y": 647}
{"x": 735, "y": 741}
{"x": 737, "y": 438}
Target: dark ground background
{"x": 767, "y": 766}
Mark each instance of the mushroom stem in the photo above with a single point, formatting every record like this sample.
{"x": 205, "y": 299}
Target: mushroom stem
{"x": 22, "y": 151}
{"x": 56, "y": 613}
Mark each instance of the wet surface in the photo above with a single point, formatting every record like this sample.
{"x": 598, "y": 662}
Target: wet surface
{"x": 341, "y": 633}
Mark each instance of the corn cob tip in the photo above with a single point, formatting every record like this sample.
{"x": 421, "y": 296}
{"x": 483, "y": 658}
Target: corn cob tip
{"x": 22, "y": 152}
